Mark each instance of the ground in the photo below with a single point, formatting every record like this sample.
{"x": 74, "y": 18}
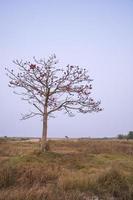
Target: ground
{"x": 71, "y": 170}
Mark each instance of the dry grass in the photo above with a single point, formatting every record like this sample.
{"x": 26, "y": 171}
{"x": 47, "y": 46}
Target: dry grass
{"x": 73, "y": 170}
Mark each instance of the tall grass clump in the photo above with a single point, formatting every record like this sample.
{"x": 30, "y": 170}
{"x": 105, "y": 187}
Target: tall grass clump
{"x": 74, "y": 181}
{"x": 113, "y": 183}
{"x": 37, "y": 175}
{"x": 7, "y": 176}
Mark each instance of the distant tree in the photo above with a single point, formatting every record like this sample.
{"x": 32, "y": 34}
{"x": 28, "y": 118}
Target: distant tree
{"x": 49, "y": 89}
{"x": 121, "y": 136}
{"x": 130, "y": 135}
{"x": 66, "y": 137}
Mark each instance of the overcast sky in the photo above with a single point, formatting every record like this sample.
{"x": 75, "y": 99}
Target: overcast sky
{"x": 96, "y": 34}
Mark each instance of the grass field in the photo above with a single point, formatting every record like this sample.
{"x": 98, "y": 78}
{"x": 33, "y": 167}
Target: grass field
{"x": 71, "y": 170}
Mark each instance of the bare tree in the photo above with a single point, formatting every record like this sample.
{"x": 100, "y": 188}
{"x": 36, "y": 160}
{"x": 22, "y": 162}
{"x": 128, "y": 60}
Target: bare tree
{"x": 49, "y": 88}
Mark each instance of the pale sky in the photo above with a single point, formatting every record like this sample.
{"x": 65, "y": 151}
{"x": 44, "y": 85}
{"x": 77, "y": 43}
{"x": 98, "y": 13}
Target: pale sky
{"x": 96, "y": 34}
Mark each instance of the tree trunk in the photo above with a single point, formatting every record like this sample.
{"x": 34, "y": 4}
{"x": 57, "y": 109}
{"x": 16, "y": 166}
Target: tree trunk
{"x": 44, "y": 132}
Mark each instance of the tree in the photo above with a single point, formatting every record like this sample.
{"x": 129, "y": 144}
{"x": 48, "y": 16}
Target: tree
{"x": 49, "y": 89}
{"x": 130, "y": 135}
{"x": 121, "y": 136}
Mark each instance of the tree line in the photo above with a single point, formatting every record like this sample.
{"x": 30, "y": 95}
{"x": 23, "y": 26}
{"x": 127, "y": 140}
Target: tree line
{"x": 126, "y": 136}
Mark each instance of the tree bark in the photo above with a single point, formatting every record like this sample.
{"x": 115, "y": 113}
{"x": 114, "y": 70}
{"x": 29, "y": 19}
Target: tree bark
{"x": 44, "y": 131}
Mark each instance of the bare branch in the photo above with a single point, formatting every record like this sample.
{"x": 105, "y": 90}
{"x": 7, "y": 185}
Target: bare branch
{"x": 38, "y": 108}
{"x": 29, "y": 115}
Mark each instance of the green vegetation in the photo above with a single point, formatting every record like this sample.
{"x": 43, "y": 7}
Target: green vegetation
{"x": 129, "y": 136}
{"x": 72, "y": 170}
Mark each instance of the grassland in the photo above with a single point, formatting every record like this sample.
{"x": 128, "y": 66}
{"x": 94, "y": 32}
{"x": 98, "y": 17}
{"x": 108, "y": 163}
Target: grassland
{"x": 72, "y": 170}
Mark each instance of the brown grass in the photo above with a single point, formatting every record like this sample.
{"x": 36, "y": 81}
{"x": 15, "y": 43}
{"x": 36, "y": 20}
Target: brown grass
{"x": 73, "y": 170}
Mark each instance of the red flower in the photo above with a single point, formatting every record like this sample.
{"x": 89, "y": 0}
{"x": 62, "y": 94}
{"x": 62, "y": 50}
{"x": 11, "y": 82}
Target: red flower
{"x": 32, "y": 66}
